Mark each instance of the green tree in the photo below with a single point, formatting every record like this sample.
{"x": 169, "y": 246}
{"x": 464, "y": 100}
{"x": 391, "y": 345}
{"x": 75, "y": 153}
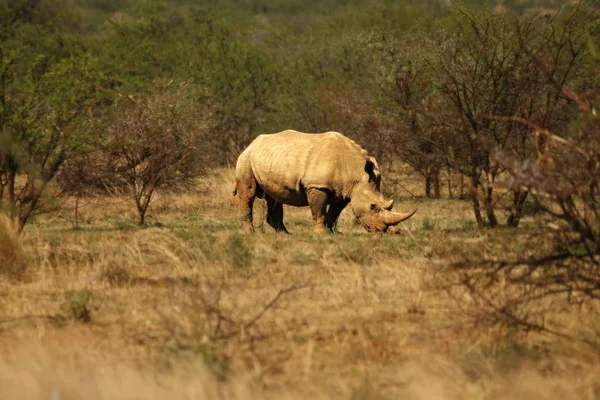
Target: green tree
{"x": 409, "y": 104}
{"x": 47, "y": 85}
{"x": 238, "y": 77}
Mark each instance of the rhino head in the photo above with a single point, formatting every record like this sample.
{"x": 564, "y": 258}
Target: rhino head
{"x": 373, "y": 211}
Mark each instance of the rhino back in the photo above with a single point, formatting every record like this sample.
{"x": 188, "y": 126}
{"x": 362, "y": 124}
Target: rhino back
{"x": 291, "y": 161}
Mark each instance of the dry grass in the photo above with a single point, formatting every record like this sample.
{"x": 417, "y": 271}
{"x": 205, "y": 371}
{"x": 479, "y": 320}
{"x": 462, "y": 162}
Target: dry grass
{"x": 12, "y": 257}
{"x": 191, "y": 308}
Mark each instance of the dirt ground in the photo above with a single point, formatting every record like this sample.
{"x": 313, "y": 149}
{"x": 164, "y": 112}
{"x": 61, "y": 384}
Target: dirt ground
{"x": 191, "y": 308}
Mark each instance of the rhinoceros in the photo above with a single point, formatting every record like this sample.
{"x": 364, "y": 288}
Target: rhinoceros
{"x": 324, "y": 171}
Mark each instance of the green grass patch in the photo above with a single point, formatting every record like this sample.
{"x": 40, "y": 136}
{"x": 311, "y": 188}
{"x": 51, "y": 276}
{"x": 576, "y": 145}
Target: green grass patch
{"x": 240, "y": 255}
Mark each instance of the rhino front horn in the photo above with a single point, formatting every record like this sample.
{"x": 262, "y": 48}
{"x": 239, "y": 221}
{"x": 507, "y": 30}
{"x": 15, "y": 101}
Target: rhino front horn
{"x": 393, "y": 218}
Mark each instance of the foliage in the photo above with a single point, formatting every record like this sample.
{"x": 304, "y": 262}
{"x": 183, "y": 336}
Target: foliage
{"x": 562, "y": 171}
{"x": 156, "y": 142}
{"x": 415, "y": 81}
{"x": 48, "y": 84}
{"x": 410, "y": 127}
{"x": 485, "y": 72}
{"x": 77, "y": 303}
{"x": 239, "y": 79}
{"x": 565, "y": 166}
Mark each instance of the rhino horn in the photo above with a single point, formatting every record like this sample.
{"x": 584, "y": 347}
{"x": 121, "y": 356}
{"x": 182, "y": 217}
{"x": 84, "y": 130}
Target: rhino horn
{"x": 388, "y": 205}
{"x": 391, "y": 218}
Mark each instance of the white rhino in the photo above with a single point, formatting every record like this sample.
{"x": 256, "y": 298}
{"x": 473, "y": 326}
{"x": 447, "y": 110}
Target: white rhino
{"x": 325, "y": 171}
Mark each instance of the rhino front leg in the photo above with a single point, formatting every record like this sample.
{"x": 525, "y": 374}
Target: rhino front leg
{"x": 275, "y": 215}
{"x": 333, "y": 213}
{"x": 317, "y": 201}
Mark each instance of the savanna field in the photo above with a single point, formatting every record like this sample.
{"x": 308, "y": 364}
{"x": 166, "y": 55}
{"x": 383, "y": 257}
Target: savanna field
{"x": 189, "y": 307}
{"x": 124, "y": 269}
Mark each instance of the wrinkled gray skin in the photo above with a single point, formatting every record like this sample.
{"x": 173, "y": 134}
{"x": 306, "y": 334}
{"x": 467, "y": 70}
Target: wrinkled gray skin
{"x": 325, "y": 172}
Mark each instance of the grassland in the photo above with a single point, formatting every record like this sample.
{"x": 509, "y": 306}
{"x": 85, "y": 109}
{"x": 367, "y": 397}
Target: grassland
{"x": 190, "y": 308}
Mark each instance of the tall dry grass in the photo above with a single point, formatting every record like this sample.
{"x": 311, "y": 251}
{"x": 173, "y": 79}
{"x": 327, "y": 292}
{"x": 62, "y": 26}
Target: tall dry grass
{"x": 37, "y": 373}
{"x": 192, "y": 308}
{"x": 13, "y": 261}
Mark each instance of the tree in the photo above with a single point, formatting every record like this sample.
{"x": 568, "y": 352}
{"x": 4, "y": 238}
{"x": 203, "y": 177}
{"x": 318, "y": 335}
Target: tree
{"x": 238, "y": 77}
{"x": 485, "y": 72}
{"x": 563, "y": 171}
{"x": 155, "y": 142}
{"x": 47, "y": 85}
{"x": 409, "y": 108}
{"x": 564, "y": 166}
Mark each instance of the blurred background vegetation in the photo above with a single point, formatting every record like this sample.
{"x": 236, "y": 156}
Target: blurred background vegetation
{"x": 411, "y": 80}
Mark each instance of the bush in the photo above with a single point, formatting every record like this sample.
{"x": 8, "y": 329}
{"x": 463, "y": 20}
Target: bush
{"x": 149, "y": 142}
{"x": 77, "y": 304}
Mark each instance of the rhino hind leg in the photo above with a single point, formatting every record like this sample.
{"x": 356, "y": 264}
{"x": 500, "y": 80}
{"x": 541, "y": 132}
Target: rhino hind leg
{"x": 333, "y": 213}
{"x": 246, "y": 196}
{"x": 275, "y": 215}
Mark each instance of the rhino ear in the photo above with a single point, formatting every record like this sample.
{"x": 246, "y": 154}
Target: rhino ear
{"x": 372, "y": 169}
{"x": 369, "y": 166}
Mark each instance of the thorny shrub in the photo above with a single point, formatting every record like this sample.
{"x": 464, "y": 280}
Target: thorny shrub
{"x": 151, "y": 142}
{"x": 563, "y": 173}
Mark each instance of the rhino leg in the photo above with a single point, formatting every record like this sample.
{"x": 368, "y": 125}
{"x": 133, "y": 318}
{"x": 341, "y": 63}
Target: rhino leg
{"x": 333, "y": 213}
{"x": 317, "y": 201}
{"x": 275, "y": 215}
{"x": 246, "y": 196}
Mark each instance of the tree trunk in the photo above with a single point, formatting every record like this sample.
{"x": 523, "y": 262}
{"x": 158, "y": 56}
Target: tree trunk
{"x": 141, "y": 207}
{"x": 76, "y": 211}
{"x": 428, "y": 187}
{"x": 477, "y": 210}
{"x": 449, "y": 183}
{"x": 436, "y": 184}
{"x": 489, "y": 207}
{"x": 12, "y": 176}
{"x": 462, "y": 187}
{"x": 2, "y": 185}
{"x": 476, "y": 205}
{"x": 516, "y": 213}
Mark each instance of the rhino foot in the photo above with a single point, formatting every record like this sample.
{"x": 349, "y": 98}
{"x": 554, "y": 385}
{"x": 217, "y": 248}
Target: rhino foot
{"x": 247, "y": 227}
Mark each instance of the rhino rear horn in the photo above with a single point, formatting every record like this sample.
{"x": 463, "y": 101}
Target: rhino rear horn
{"x": 388, "y": 205}
{"x": 393, "y": 218}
